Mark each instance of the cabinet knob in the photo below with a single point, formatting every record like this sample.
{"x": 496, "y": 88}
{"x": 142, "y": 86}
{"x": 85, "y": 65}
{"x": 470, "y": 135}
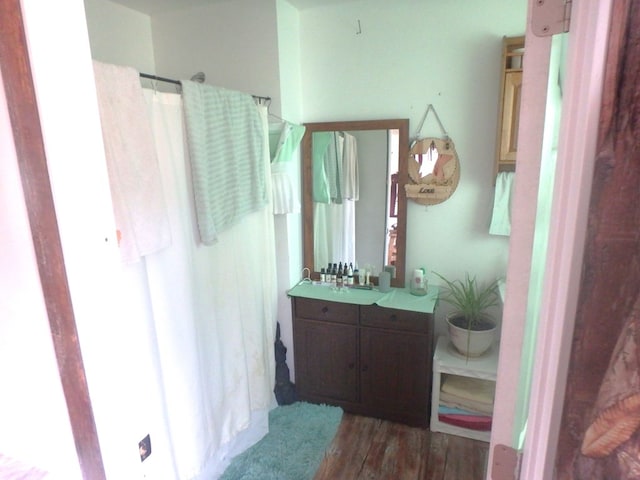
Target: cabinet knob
{"x": 393, "y": 318}
{"x": 325, "y": 309}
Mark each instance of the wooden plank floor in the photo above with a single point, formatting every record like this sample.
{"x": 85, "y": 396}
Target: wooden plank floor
{"x": 368, "y": 448}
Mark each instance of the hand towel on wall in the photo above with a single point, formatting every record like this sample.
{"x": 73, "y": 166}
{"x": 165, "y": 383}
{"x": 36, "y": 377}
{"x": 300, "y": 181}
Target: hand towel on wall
{"x": 134, "y": 176}
{"x": 226, "y": 142}
{"x": 501, "y": 219}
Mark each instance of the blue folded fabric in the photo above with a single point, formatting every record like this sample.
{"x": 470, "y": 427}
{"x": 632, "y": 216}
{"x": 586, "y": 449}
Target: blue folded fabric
{"x": 444, "y": 410}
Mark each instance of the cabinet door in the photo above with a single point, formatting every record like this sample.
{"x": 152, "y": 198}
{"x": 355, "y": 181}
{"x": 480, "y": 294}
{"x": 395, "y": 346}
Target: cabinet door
{"x": 326, "y": 360}
{"x": 510, "y": 116}
{"x": 395, "y": 373}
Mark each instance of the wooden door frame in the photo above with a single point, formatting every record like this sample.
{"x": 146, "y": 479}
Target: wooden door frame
{"x": 610, "y": 283}
{"x": 572, "y": 192}
{"x": 32, "y": 164}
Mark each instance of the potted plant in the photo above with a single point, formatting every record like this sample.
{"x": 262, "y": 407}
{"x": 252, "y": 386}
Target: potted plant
{"x": 471, "y": 327}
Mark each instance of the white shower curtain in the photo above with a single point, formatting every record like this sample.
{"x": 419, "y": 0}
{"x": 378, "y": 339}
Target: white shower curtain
{"x": 214, "y": 313}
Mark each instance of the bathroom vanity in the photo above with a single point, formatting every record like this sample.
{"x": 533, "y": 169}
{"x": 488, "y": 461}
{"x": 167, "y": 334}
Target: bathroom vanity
{"x": 365, "y": 351}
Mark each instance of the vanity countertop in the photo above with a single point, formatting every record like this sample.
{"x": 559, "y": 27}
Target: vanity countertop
{"x": 398, "y": 298}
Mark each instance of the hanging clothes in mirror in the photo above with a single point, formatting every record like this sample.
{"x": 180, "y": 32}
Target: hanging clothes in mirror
{"x": 335, "y": 191}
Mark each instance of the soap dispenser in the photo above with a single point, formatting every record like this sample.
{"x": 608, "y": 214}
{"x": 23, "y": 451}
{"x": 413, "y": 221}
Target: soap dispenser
{"x": 418, "y": 283}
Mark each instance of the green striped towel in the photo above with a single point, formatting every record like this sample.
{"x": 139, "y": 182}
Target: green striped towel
{"x": 227, "y": 150}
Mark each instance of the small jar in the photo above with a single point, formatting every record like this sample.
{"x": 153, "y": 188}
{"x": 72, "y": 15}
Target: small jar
{"x": 418, "y": 283}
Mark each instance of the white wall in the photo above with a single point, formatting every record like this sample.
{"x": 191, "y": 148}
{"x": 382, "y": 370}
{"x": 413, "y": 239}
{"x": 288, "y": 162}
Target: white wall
{"x": 33, "y": 412}
{"x": 408, "y": 55}
{"x": 111, "y": 317}
{"x": 120, "y": 35}
{"x": 234, "y": 43}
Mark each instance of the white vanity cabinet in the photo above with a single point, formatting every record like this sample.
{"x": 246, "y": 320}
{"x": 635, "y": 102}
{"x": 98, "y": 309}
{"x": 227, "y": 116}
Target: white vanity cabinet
{"x": 447, "y": 361}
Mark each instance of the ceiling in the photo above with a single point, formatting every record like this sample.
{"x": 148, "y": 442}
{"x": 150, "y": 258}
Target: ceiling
{"x": 151, "y": 7}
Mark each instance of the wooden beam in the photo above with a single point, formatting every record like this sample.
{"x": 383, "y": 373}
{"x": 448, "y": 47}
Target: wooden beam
{"x": 32, "y": 163}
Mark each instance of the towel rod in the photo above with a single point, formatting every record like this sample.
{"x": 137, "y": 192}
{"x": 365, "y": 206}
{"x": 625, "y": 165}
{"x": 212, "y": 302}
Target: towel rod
{"x": 161, "y": 79}
{"x": 177, "y": 82}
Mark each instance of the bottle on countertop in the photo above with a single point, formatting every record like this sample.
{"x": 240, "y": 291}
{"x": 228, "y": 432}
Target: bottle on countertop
{"x": 339, "y": 279}
{"x": 350, "y": 275}
{"x": 334, "y": 274}
{"x": 356, "y": 274}
{"x": 418, "y": 283}
{"x": 323, "y": 275}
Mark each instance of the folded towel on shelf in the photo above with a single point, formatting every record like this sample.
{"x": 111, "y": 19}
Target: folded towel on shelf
{"x": 478, "y": 422}
{"x": 454, "y": 401}
{"x": 226, "y": 146}
{"x": 134, "y": 174}
{"x": 501, "y": 219}
{"x": 465, "y": 404}
{"x": 472, "y": 394}
{"x": 476, "y": 389}
{"x": 444, "y": 410}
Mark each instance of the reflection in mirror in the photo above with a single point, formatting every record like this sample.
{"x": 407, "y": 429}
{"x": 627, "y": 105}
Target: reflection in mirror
{"x": 426, "y": 159}
{"x": 353, "y": 210}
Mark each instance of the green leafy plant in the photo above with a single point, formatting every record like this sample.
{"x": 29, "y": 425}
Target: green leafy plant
{"x": 470, "y": 301}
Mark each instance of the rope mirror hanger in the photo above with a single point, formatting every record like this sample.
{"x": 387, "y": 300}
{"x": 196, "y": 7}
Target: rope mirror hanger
{"x": 434, "y": 167}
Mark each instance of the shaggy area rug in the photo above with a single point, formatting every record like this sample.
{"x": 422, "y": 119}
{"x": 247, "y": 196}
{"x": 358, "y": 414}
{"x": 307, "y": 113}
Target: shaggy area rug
{"x": 294, "y": 447}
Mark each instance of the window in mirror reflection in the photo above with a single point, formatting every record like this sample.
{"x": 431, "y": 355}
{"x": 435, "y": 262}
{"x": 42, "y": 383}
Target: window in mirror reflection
{"x": 392, "y": 199}
{"x": 427, "y": 160}
{"x": 350, "y": 172}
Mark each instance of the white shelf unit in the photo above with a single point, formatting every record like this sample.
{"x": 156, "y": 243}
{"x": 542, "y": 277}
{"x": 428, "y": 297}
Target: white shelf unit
{"x": 448, "y": 361}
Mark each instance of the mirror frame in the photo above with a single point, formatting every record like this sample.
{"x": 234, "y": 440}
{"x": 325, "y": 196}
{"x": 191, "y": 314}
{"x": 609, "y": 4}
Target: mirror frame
{"x": 400, "y": 124}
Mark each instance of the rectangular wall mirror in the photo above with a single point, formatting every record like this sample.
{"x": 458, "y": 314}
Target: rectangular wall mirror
{"x": 354, "y": 202}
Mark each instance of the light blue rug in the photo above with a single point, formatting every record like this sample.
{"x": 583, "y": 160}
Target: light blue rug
{"x": 294, "y": 447}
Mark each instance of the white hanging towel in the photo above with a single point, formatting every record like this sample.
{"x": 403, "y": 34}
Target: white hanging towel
{"x": 284, "y": 141}
{"x": 134, "y": 176}
{"x": 351, "y": 189}
{"x": 501, "y": 219}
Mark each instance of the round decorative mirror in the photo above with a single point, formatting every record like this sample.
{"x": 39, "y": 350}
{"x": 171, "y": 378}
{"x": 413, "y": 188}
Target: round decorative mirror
{"x": 434, "y": 171}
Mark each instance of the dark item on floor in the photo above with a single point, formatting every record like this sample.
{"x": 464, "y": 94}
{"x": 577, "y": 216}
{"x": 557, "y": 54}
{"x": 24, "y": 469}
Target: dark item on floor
{"x": 284, "y": 390}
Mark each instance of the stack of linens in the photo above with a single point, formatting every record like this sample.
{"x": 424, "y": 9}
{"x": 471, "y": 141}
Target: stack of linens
{"x": 466, "y": 402}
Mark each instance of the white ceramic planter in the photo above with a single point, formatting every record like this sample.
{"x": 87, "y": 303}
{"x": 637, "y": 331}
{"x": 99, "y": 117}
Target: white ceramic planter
{"x": 478, "y": 344}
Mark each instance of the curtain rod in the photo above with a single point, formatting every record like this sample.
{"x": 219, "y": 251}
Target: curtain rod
{"x": 177, "y": 82}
